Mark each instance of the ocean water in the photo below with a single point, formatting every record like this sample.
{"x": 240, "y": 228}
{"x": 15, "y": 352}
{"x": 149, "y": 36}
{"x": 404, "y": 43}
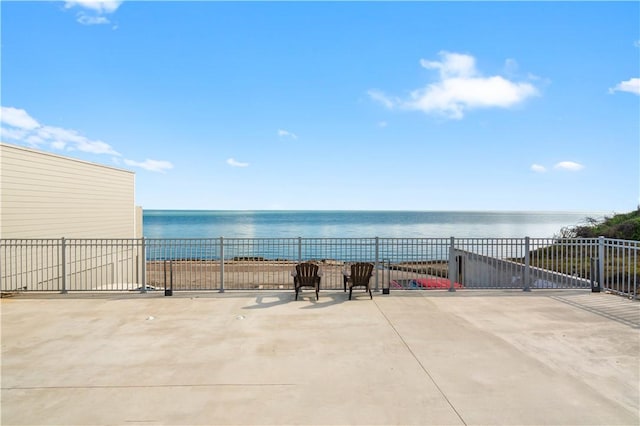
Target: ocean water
{"x": 357, "y": 224}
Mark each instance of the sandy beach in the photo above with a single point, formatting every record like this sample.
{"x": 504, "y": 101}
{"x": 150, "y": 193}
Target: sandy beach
{"x": 252, "y": 274}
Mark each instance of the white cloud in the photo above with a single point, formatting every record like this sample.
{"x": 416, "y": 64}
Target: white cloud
{"x": 16, "y": 117}
{"x": 378, "y": 96}
{"x": 18, "y": 126}
{"x": 93, "y": 10}
{"x": 636, "y": 43}
{"x": 568, "y": 165}
{"x": 460, "y": 88}
{"x": 453, "y": 65}
{"x": 12, "y": 134}
{"x": 60, "y": 138}
{"x": 286, "y": 133}
{"x": 92, "y": 20}
{"x": 538, "y": 168}
{"x": 233, "y": 163}
{"x": 632, "y": 86}
{"x": 99, "y": 6}
{"x": 382, "y": 124}
{"x": 151, "y": 165}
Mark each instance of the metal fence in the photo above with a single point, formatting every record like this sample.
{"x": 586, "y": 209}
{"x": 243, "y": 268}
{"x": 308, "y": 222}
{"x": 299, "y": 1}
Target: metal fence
{"x": 221, "y": 264}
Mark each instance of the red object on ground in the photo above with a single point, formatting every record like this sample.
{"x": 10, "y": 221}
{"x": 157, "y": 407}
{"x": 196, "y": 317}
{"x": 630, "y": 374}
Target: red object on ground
{"x": 435, "y": 283}
{"x": 424, "y": 283}
{"x": 395, "y": 284}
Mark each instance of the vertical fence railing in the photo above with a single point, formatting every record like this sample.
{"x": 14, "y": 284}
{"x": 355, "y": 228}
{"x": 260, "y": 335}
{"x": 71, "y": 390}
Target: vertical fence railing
{"x": 31, "y": 265}
{"x": 492, "y": 263}
{"x": 259, "y": 263}
{"x": 526, "y": 285}
{"x": 102, "y": 264}
{"x": 221, "y": 263}
{"x": 620, "y": 272}
{"x": 192, "y": 264}
{"x": 141, "y": 265}
{"x": 453, "y": 264}
{"x": 413, "y": 263}
{"x": 63, "y": 264}
{"x": 562, "y": 263}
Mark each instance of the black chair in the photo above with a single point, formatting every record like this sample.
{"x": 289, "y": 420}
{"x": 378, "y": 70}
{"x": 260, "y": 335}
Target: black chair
{"x": 306, "y": 276}
{"x": 361, "y": 273}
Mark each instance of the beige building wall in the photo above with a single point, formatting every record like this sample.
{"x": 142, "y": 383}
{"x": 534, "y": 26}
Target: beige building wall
{"x": 43, "y": 195}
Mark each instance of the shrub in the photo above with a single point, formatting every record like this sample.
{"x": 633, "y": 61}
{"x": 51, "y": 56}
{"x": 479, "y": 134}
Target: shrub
{"x": 620, "y": 226}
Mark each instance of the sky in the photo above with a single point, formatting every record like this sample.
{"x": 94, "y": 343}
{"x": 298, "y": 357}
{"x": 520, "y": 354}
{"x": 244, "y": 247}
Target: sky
{"x": 335, "y": 105}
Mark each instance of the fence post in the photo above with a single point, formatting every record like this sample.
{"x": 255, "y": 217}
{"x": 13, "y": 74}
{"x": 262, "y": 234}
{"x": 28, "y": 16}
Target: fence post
{"x": 221, "y": 264}
{"x": 170, "y": 278}
{"x": 593, "y": 273}
{"x": 387, "y": 289}
{"x": 601, "y": 262}
{"x": 527, "y": 264}
{"x": 299, "y": 249}
{"x": 164, "y": 270}
{"x": 144, "y": 266}
{"x": 452, "y": 264}
{"x": 168, "y": 291}
{"x": 376, "y": 264}
{"x": 63, "y": 256}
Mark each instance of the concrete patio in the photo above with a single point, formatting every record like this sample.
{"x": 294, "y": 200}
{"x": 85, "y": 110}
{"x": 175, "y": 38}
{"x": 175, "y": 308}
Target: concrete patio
{"x": 496, "y": 357}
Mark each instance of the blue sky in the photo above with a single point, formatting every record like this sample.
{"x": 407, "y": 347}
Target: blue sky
{"x": 335, "y": 105}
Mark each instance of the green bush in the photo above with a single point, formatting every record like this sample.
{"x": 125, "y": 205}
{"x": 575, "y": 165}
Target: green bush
{"x": 624, "y": 226}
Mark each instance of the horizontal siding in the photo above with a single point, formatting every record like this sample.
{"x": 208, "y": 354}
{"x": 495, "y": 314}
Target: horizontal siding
{"x": 49, "y": 196}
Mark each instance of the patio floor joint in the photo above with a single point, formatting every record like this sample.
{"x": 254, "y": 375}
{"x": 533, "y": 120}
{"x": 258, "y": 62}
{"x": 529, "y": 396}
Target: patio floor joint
{"x": 406, "y": 345}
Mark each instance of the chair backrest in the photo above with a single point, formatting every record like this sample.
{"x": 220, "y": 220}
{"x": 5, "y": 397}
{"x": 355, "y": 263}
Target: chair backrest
{"x": 306, "y": 272}
{"x": 361, "y": 272}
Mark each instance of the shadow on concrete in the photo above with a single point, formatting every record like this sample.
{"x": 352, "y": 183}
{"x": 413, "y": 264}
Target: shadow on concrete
{"x": 268, "y": 300}
{"x": 613, "y": 307}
